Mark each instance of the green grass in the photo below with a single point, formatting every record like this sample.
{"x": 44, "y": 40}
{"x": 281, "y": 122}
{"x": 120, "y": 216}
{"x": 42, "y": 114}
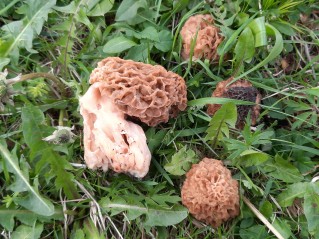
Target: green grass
{"x": 47, "y": 192}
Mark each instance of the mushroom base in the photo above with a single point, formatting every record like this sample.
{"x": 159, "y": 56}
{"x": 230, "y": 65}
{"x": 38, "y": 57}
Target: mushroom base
{"x": 110, "y": 141}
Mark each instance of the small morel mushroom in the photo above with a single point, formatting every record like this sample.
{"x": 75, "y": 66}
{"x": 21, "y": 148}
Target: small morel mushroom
{"x": 122, "y": 88}
{"x": 207, "y": 37}
{"x": 239, "y": 90}
{"x": 210, "y": 193}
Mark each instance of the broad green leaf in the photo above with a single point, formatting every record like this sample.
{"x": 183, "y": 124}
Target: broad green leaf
{"x": 283, "y": 228}
{"x": 274, "y": 52}
{"x": 293, "y": 191}
{"x": 148, "y": 33}
{"x": 34, "y": 201}
{"x": 312, "y": 91}
{"x": 231, "y": 40}
{"x": 258, "y": 29}
{"x": 128, "y": 9}
{"x": 165, "y": 217}
{"x": 311, "y": 207}
{"x": 118, "y": 44}
{"x": 139, "y": 52}
{"x": 19, "y": 185}
{"x": 101, "y": 8}
{"x": 225, "y": 117}
{"x": 244, "y": 49}
{"x": 6, "y": 218}
{"x": 181, "y": 161}
{"x": 155, "y": 215}
{"x": 23, "y": 31}
{"x": 78, "y": 234}
{"x": 90, "y": 230}
{"x": 254, "y": 232}
{"x": 217, "y": 100}
{"x": 284, "y": 28}
{"x": 27, "y": 232}
{"x": 165, "y": 41}
{"x": 251, "y": 157}
{"x": 283, "y": 170}
{"x": 266, "y": 209}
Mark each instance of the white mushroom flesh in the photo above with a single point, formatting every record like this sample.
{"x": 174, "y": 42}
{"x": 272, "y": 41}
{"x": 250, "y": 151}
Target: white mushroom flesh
{"x": 110, "y": 141}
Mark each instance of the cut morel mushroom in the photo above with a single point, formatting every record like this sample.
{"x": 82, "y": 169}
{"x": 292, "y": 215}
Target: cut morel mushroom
{"x": 210, "y": 193}
{"x": 121, "y": 89}
{"x": 201, "y": 28}
{"x": 239, "y": 90}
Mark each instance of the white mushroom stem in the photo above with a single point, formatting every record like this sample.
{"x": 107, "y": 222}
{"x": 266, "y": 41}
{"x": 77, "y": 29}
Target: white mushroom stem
{"x": 110, "y": 140}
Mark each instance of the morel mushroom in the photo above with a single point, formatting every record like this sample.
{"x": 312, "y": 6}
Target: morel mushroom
{"x": 207, "y": 37}
{"x": 121, "y": 89}
{"x": 210, "y": 193}
{"x": 239, "y": 90}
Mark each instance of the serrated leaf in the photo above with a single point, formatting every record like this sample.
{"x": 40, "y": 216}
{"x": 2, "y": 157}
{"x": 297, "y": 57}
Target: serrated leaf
{"x": 293, "y": 191}
{"x": 34, "y": 130}
{"x": 118, "y": 44}
{"x": 33, "y": 201}
{"x": 181, "y": 161}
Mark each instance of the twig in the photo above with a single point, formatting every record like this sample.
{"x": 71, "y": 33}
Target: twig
{"x": 45, "y": 75}
{"x": 262, "y": 218}
{"x": 98, "y": 210}
{"x": 309, "y": 59}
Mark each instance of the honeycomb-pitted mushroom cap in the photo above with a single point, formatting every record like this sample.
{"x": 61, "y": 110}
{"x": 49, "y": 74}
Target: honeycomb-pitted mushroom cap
{"x": 207, "y": 41}
{"x": 149, "y": 93}
{"x": 239, "y": 90}
{"x": 210, "y": 193}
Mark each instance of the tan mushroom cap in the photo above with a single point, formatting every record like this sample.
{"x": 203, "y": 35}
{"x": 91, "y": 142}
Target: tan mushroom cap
{"x": 150, "y": 93}
{"x": 207, "y": 41}
{"x": 239, "y": 90}
{"x": 210, "y": 193}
